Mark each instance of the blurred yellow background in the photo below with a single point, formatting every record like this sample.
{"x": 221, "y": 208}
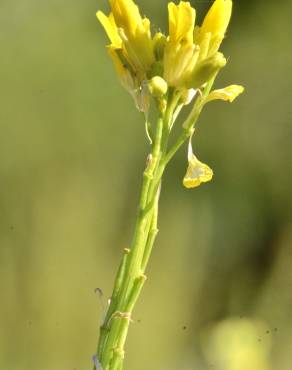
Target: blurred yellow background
{"x": 72, "y": 150}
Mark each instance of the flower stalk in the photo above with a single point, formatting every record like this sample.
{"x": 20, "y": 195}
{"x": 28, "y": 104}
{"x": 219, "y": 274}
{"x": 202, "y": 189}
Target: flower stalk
{"x": 169, "y": 72}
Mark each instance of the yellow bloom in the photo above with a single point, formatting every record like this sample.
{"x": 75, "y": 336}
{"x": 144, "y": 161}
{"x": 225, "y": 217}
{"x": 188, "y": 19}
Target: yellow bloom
{"x": 130, "y": 32}
{"x": 186, "y": 59}
{"x": 229, "y": 93}
{"x": 180, "y": 52}
{"x": 131, "y": 48}
{"x": 188, "y": 45}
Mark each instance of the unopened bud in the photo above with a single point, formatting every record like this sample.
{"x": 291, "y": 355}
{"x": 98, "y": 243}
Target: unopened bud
{"x": 157, "y": 87}
{"x": 159, "y": 42}
{"x": 205, "y": 70}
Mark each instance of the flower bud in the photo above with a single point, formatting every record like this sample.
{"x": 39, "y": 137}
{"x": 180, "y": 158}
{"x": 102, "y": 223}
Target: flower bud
{"x": 159, "y": 42}
{"x": 205, "y": 70}
{"x": 157, "y": 87}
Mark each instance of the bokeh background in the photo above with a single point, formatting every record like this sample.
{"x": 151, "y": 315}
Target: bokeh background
{"x": 72, "y": 150}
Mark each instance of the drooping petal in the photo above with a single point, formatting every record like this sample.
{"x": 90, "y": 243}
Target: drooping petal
{"x": 229, "y": 93}
{"x": 197, "y": 173}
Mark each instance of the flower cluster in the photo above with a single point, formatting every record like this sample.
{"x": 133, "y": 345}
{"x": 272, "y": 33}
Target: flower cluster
{"x": 182, "y": 62}
{"x": 186, "y": 59}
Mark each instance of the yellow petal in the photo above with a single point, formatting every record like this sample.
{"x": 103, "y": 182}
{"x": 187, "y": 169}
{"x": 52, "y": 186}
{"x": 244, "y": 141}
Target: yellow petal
{"x": 132, "y": 33}
{"x": 181, "y": 22}
{"x": 122, "y": 71}
{"x": 204, "y": 45}
{"x": 110, "y": 27}
{"x": 197, "y": 173}
{"x": 218, "y": 17}
{"x": 229, "y": 93}
{"x": 126, "y": 14}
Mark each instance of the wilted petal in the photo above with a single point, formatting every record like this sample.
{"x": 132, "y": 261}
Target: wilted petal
{"x": 229, "y": 93}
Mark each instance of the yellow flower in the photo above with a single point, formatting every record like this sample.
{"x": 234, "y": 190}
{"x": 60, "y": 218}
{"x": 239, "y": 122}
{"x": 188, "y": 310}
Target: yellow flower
{"x": 186, "y": 59}
{"x": 229, "y": 93}
{"x": 131, "y": 48}
{"x": 188, "y": 46}
{"x": 128, "y": 31}
{"x": 180, "y": 51}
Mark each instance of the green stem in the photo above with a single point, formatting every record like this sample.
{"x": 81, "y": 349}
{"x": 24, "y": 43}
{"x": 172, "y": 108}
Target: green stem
{"x": 189, "y": 124}
{"x": 151, "y": 237}
{"x": 131, "y": 278}
{"x": 114, "y": 330}
{"x": 118, "y": 281}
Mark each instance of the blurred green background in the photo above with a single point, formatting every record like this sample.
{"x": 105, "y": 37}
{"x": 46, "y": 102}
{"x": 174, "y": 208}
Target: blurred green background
{"x": 72, "y": 150}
